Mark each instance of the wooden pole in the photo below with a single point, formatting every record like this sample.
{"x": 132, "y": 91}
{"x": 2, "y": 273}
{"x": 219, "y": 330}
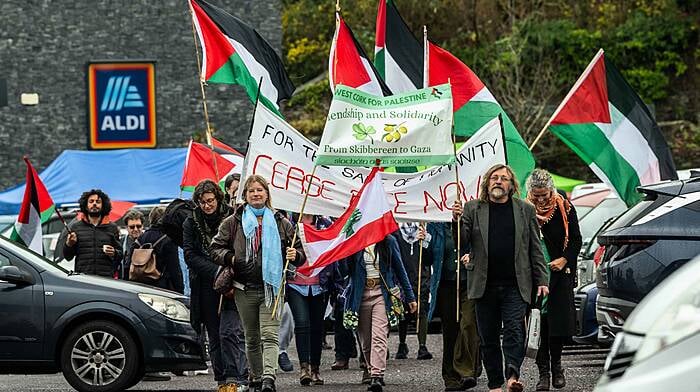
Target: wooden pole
{"x": 420, "y": 270}
{"x": 204, "y": 98}
{"x": 294, "y": 239}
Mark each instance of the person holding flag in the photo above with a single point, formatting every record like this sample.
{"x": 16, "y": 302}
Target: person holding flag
{"x": 255, "y": 240}
{"x": 362, "y": 237}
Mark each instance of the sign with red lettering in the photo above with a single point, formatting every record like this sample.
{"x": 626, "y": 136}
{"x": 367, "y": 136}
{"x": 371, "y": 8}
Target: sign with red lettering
{"x": 286, "y": 159}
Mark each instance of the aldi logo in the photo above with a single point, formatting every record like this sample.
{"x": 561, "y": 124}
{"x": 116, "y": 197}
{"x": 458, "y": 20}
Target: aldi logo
{"x": 121, "y": 105}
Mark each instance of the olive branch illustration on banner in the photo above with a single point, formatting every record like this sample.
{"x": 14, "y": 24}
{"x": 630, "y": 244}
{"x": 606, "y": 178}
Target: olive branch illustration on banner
{"x": 394, "y": 131}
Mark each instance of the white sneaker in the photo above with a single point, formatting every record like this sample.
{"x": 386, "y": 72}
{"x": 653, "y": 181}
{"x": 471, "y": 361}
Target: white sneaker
{"x": 201, "y": 372}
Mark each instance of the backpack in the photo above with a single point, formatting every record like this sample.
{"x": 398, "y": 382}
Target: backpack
{"x": 173, "y": 218}
{"x": 143, "y": 262}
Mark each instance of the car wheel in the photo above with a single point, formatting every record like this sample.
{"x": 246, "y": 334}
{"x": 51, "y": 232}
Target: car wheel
{"x": 99, "y": 356}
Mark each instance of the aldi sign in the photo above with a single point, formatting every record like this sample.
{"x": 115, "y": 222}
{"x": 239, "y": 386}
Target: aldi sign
{"x": 121, "y": 101}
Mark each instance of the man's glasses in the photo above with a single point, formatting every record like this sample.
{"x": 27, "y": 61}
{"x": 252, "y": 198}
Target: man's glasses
{"x": 503, "y": 178}
{"x": 210, "y": 201}
{"x": 135, "y": 226}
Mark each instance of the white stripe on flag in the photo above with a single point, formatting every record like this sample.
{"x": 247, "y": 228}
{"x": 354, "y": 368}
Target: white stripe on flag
{"x": 372, "y": 87}
{"x": 397, "y": 81}
{"x": 484, "y": 95}
{"x": 257, "y": 70}
{"x": 30, "y": 233}
{"x": 632, "y": 146}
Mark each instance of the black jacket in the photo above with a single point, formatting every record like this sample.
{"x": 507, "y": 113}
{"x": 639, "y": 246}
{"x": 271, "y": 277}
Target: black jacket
{"x": 199, "y": 262}
{"x": 89, "y": 257}
{"x": 167, "y": 260}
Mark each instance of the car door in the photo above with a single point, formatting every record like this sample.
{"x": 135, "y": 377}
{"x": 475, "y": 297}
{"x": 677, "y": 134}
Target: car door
{"x": 21, "y": 314}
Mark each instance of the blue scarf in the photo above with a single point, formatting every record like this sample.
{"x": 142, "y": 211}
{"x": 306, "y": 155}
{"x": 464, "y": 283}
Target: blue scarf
{"x": 272, "y": 263}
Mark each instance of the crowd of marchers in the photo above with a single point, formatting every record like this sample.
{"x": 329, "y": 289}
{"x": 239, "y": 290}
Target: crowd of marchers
{"x": 482, "y": 273}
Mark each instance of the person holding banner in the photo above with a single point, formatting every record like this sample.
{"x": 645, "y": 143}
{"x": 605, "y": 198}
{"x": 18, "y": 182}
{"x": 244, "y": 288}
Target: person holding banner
{"x": 506, "y": 268}
{"x": 408, "y": 240}
{"x": 461, "y": 362}
{"x": 373, "y": 302}
{"x": 256, "y": 240}
{"x": 561, "y": 243}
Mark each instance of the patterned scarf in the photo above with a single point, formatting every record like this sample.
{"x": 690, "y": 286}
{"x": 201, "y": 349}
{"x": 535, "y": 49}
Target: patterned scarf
{"x": 409, "y": 233}
{"x": 545, "y": 211}
{"x": 267, "y": 236}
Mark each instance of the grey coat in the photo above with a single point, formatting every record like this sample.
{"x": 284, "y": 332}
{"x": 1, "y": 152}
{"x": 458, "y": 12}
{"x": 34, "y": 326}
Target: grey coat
{"x": 529, "y": 261}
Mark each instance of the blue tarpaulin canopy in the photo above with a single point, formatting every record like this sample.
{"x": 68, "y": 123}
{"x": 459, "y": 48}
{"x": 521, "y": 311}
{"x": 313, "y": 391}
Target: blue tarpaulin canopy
{"x": 136, "y": 175}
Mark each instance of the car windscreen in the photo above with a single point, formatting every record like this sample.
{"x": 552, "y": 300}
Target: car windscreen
{"x": 26, "y": 254}
{"x": 607, "y": 209}
{"x": 633, "y": 213}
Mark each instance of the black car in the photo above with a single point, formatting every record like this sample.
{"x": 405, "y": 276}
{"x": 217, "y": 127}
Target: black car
{"x": 103, "y": 334}
{"x": 644, "y": 246}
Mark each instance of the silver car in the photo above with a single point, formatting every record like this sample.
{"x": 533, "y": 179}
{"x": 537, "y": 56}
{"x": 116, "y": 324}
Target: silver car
{"x": 658, "y": 347}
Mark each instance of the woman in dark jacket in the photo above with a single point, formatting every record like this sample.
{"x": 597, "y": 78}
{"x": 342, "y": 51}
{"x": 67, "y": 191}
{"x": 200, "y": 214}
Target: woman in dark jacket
{"x": 256, "y": 240}
{"x": 374, "y": 304}
{"x": 562, "y": 239}
{"x": 227, "y": 357}
{"x": 167, "y": 259}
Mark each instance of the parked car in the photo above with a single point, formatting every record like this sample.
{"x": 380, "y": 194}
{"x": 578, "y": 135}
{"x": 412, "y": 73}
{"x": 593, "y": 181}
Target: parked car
{"x": 644, "y": 246}
{"x": 657, "y": 349}
{"x": 610, "y": 207}
{"x": 102, "y": 334}
{"x": 585, "y": 197}
{"x": 586, "y": 292}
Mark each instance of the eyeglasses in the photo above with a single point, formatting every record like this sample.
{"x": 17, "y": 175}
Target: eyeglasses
{"x": 210, "y": 201}
{"x": 503, "y": 178}
{"x": 135, "y": 226}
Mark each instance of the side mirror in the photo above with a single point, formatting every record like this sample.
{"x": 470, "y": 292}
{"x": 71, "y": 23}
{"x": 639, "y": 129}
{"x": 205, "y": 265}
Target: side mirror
{"x": 15, "y": 275}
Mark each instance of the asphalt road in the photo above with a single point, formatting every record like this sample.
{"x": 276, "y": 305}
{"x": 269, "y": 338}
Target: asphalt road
{"x": 583, "y": 364}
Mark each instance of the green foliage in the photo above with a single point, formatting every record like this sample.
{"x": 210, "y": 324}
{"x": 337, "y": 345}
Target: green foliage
{"x": 529, "y": 54}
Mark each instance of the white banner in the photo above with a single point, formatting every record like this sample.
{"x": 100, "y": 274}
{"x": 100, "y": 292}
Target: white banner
{"x": 411, "y": 129}
{"x": 285, "y": 158}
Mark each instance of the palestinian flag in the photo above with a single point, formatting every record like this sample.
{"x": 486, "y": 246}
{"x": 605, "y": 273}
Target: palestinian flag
{"x": 367, "y": 221}
{"x": 234, "y": 53}
{"x": 398, "y": 55}
{"x": 36, "y": 209}
{"x": 199, "y": 164}
{"x": 606, "y": 123}
{"x": 349, "y": 65}
{"x": 474, "y": 106}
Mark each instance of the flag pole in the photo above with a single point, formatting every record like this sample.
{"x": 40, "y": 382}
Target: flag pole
{"x": 420, "y": 270}
{"x": 459, "y": 199}
{"x": 204, "y": 97}
{"x": 568, "y": 96}
{"x": 294, "y": 239}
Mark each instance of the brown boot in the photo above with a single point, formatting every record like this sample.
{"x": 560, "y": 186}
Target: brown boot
{"x": 304, "y": 374}
{"x": 316, "y": 376}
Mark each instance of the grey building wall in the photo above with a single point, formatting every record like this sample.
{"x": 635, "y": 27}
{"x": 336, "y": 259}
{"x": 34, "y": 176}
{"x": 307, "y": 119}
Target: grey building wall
{"x": 46, "y": 44}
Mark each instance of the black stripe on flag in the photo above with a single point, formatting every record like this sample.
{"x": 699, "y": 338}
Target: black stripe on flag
{"x": 403, "y": 46}
{"x": 260, "y": 49}
{"x": 626, "y": 100}
{"x": 385, "y": 89}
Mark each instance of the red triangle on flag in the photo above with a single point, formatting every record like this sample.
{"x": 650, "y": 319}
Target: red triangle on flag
{"x": 587, "y": 102}
{"x": 200, "y": 166}
{"x": 216, "y": 47}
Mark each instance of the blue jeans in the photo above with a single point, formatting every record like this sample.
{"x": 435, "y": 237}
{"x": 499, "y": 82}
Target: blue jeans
{"x": 308, "y": 314}
{"x": 501, "y": 304}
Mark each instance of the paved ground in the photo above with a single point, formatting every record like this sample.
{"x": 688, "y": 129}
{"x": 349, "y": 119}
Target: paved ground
{"x": 584, "y": 367}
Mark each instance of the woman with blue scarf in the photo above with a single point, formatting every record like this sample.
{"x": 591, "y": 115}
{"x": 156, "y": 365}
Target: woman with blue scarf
{"x": 256, "y": 240}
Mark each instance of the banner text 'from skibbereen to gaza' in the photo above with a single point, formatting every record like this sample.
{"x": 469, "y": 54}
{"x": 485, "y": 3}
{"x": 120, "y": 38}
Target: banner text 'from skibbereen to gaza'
{"x": 412, "y": 129}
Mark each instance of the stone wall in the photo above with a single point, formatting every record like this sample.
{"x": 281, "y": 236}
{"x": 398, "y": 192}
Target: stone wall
{"x": 45, "y": 46}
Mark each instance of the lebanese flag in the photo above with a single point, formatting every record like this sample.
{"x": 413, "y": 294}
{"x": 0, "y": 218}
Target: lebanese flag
{"x": 608, "y": 126}
{"x": 199, "y": 165}
{"x": 234, "y": 53}
{"x": 398, "y": 55}
{"x": 37, "y": 207}
{"x": 367, "y": 221}
{"x": 349, "y": 65}
{"x": 474, "y": 106}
